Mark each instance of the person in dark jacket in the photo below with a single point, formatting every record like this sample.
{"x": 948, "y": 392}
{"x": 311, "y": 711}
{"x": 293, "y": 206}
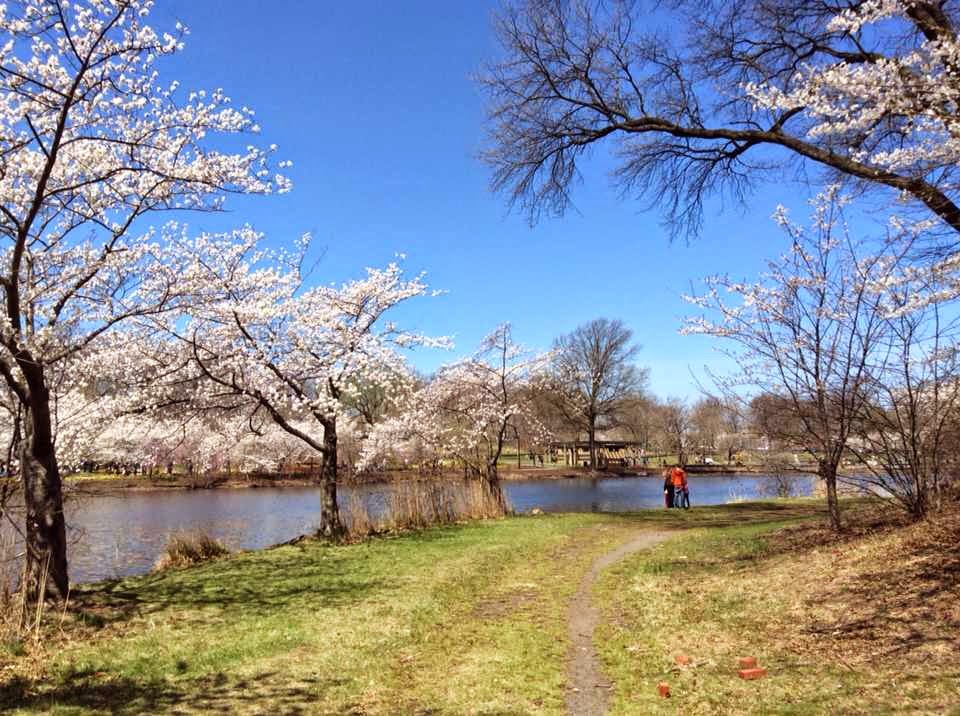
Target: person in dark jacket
{"x": 668, "y": 493}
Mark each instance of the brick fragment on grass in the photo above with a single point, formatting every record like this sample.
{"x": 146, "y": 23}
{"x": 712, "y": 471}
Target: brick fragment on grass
{"x": 682, "y": 659}
{"x": 750, "y": 674}
{"x": 747, "y": 662}
{"x": 663, "y": 688}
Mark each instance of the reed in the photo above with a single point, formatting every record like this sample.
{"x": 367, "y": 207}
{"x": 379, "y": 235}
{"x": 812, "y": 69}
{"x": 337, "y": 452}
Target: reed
{"x": 412, "y": 504}
{"x": 189, "y": 548}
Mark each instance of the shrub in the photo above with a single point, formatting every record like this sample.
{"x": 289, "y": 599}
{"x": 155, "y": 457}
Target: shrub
{"x": 183, "y": 550}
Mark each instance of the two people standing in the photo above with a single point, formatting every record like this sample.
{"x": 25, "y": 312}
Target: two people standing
{"x": 676, "y": 493}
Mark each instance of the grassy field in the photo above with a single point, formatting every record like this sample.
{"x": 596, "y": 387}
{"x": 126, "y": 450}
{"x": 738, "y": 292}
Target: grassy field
{"x": 472, "y": 620}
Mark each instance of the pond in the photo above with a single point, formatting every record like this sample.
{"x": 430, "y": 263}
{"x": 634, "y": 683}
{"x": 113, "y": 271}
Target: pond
{"x": 115, "y": 535}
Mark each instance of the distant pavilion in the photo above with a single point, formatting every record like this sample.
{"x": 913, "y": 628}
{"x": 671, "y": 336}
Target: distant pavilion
{"x": 576, "y": 453}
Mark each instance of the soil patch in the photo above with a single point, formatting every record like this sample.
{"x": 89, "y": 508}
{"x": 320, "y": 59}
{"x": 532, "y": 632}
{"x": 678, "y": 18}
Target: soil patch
{"x": 504, "y": 605}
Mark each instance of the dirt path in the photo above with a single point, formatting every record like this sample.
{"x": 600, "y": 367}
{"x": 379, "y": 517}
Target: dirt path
{"x": 588, "y": 690}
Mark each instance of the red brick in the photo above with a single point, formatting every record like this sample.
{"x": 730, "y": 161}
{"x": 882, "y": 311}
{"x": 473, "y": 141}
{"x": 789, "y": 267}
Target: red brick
{"x": 752, "y": 673}
{"x": 747, "y": 662}
{"x": 663, "y": 688}
{"x": 682, "y": 659}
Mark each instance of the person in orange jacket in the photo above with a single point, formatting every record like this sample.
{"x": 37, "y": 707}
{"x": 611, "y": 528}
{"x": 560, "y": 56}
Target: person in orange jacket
{"x": 680, "y": 489}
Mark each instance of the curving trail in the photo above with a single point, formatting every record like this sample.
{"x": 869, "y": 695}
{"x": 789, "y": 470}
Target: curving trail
{"x": 588, "y": 690}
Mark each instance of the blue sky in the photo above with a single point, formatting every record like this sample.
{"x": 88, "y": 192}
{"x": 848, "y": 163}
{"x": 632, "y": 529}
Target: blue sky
{"x": 374, "y": 104}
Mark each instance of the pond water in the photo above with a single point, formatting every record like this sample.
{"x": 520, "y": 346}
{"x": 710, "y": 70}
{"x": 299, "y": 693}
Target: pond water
{"x": 115, "y": 535}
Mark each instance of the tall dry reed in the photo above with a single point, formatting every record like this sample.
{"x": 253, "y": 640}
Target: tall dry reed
{"x": 25, "y": 619}
{"x": 411, "y": 504}
{"x": 184, "y": 550}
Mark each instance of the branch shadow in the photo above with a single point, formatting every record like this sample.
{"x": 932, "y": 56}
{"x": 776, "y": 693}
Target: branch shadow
{"x": 263, "y": 582}
{"x": 903, "y": 608}
{"x": 213, "y": 694}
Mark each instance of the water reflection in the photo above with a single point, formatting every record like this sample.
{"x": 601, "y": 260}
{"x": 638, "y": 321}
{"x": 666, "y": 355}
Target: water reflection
{"x": 121, "y": 534}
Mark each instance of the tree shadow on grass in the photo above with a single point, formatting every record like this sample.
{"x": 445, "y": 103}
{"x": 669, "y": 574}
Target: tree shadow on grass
{"x": 903, "y": 607}
{"x": 267, "y": 693}
{"x": 309, "y": 574}
{"x": 266, "y": 582}
{"x": 736, "y": 514}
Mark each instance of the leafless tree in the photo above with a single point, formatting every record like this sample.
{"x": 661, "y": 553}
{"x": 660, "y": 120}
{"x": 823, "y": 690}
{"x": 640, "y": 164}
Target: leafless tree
{"x": 578, "y": 73}
{"x": 677, "y": 427}
{"x": 904, "y": 434}
{"x": 733, "y": 437}
{"x": 774, "y": 419}
{"x": 782, "y": 478}
{"x": 593, "y": 374}
{"x": 639, "y": 417}
{"x": 708, "y": 418}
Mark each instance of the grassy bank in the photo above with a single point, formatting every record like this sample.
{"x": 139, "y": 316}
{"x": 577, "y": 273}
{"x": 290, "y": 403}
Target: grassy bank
{"x": 461, "y": 619}
{"x": 869, "y": 624}
{"x": 472, "y": 620}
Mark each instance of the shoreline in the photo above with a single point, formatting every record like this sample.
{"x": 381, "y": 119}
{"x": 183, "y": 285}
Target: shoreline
{"x": 138, "y": 483}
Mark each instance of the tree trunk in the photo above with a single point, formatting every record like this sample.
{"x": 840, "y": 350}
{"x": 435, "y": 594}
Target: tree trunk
{"x": 491, "y": 483}
{"x": 592, "y": 440}
{"x": 829, "y": 475}
{"x": 330, "y": 524}
{"x": 46, "y": 538}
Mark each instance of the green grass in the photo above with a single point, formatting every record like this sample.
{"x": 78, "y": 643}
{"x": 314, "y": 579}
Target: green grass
{"x": 465, "y": 619}
{"x": 462, "y": 620}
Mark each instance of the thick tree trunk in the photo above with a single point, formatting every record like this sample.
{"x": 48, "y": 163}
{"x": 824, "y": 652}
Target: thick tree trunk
{"x": 829, "y": 475}
{"x": 330, "y": 524}
{"x": 46, "y": 539}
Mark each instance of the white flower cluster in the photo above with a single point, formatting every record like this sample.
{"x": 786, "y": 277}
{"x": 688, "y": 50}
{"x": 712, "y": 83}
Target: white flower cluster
{"x": 463, "y": 413}
{"x": 894, "y": 109}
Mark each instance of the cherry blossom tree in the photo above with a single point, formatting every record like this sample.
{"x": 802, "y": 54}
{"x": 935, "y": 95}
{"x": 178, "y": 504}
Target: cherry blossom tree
{"x": 297, "y": 356}
{"x": 206, "y": 444}
{"x": 807, "y": 332}
{"x": 93, "y": 143}
{"x": 732, "y": 95}
{"x": 467, "y": 411}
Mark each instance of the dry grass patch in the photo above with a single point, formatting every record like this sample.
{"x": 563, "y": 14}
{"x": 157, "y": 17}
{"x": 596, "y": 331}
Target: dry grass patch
{"x": 185, "y": 550}
{"x": 890, "y": 598}
{"x": 868, "y": 623}
{"x": 414, "y": 504}
{"x": 521, "y": 597}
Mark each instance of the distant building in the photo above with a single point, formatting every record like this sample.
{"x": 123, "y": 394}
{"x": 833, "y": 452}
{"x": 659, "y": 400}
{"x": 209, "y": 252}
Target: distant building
{"x": 576, "y": 453}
